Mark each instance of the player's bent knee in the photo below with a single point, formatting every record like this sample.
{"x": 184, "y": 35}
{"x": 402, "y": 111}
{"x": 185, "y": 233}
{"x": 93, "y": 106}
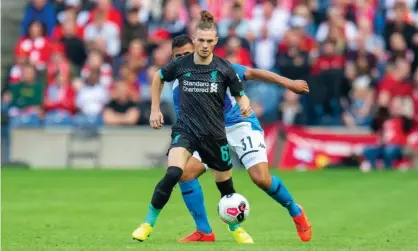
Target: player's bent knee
{"x": 260, "y": 175}
{"x": 174, "y": 172}
{"x": 194, "y": 168}
{"x": 172, "y": 176}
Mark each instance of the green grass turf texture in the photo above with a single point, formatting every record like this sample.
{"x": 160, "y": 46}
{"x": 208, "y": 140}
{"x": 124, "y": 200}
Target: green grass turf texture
{"x": 88, "y": 210}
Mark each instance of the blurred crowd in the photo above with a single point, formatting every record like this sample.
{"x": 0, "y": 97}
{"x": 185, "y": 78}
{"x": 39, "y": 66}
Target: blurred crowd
{"x": 91, "y": 61}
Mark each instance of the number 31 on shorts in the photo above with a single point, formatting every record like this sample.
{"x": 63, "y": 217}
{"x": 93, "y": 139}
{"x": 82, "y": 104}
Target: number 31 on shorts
{"x": 244, "y": 143}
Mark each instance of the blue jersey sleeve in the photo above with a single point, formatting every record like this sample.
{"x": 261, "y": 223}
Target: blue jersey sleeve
{"x": 240, "y": 70}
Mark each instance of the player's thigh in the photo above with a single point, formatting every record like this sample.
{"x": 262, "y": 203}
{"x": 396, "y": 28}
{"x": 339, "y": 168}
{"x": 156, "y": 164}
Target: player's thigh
{"x": 181, "y": 149}
{"x": 216, "y": 154}
{"x": 178, "y": 156}
{"x": 249, "y": 145}
{"x": 194, "y": 168}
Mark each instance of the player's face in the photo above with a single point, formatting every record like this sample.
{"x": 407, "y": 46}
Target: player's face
{"x": 184, "y": 50}
{"x": 204, "y": 42}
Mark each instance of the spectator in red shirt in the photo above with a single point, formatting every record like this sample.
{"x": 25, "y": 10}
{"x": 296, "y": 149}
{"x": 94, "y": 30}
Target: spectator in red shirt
{"x": 36, "y": 45}
{"x": 58, "y": 63}
{"x": 59, "y": 102}
{"x": 394, "y": 83}
{"x": 328, "y": 60}
{"x": 69, "y": 20}
{"x": 95, "y": 62}
{"x": 392, "y": 127}
{"x": 297, "y": 28}
{"x": 233, "y": 45}
{"x": 110, "y": 13}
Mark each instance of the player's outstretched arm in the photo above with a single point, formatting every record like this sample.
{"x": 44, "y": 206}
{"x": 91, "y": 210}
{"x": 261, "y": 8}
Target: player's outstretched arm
{"x": 297, "y": 86}
{"x": 156, "y": 119}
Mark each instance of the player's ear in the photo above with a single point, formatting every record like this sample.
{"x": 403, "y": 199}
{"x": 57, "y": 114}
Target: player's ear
{"x": 194, "y": 39}
{"x": 216, "y": 40}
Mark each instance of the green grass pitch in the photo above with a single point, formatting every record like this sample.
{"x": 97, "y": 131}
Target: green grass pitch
{"x": 85, "y": 210}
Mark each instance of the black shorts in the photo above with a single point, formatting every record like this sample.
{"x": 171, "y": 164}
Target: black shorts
{"x": 214, "y": 153}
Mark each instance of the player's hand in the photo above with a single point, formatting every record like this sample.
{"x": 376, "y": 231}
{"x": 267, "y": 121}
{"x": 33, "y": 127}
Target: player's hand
{"x": 245, "y": 105}
{"x": 246, "y": 112}
{"x": 156, "y": 119}
{"x": 299, "y": 87}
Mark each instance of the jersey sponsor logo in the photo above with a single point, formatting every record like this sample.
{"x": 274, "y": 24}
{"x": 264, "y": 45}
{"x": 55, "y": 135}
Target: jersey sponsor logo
{"x": 213, "y": 87}
{"x": 199, "y": 86}
{"x": 213, "y": 75}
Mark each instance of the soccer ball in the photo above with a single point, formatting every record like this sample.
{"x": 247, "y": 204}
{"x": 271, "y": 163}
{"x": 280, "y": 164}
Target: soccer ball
{"x": 233, "y": 208}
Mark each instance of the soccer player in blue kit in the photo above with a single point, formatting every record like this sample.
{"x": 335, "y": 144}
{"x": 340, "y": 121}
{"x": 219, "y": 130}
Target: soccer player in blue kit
{"x": 245, "y": 137}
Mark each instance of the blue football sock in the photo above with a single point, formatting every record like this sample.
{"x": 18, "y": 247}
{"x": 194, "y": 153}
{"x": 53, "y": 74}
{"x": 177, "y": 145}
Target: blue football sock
{"x": 152, "y": 215}
{"x": 279, "y": 193}
{"x": 193, "y": 197}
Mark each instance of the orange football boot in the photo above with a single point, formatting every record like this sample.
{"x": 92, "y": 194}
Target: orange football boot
{"x": 303, "y": 226}
{"x": 198, "y": 236}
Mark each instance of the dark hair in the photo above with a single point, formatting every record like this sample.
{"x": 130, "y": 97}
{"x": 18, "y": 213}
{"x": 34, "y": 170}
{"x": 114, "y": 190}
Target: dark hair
{"x": 237, "y": 5}
{"x": 206, "y": 21}
{"x": 181, "y": 41}
{"x": 133, "y": 10}
{"x": 43, "y": 27}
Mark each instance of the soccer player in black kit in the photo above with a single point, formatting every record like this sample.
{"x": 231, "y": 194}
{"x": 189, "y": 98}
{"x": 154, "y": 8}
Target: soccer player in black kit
{"x": 204, "y": 79}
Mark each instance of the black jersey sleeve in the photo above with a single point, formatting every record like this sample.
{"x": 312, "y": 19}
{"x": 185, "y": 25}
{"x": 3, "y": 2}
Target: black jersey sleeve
{"x": 234, "y": 82}
{"x": 168, "y": 72}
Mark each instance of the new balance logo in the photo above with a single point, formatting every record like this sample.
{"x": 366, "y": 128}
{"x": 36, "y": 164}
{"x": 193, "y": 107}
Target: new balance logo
{"x": 262, "y": 146}
{"x": 187, "y": 74}
{"x": 213, "y": 87}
